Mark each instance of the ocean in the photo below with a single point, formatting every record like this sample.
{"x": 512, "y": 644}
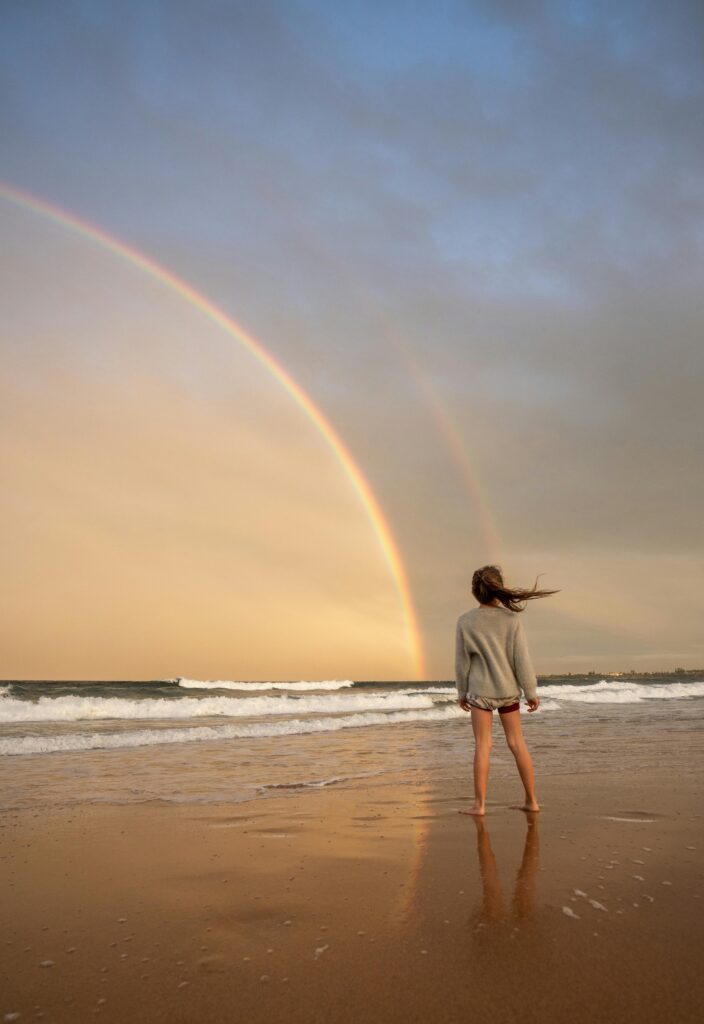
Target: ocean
{"x": 186, "y": 740}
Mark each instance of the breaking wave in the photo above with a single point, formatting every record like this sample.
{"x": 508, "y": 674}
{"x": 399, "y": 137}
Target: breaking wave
{"x": 77, "y": 709}
{"x": 149, "y": 737}
{"x": 230, "y": 684}
{"x": 621, "y": 692}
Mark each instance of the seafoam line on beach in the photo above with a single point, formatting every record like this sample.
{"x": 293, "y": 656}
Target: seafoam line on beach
{"x": 67, "y": 742}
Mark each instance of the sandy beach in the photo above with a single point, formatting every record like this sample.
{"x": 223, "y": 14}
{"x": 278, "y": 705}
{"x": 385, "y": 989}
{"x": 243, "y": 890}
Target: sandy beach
{"x": 377, "y": 902}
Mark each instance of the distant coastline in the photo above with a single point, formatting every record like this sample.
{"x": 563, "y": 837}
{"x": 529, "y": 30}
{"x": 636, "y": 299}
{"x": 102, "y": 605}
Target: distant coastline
{"x": 676, "y": 673}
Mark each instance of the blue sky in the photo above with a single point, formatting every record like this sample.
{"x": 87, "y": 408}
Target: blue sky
{"x": 491, "y": 132}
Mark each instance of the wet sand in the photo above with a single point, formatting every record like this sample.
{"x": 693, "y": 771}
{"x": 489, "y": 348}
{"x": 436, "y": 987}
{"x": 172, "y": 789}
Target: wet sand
{"x": 378, "y": 903}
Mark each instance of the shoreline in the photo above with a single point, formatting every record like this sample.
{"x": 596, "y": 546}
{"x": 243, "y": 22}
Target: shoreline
{"x": 378, "y": 902}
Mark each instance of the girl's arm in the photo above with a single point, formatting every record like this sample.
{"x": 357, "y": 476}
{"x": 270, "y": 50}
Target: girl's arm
{"x": 522, "y": 664}
{"x": 462, "y": 662}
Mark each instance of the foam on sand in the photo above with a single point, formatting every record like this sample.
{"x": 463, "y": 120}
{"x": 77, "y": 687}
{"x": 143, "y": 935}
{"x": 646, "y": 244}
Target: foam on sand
{"x": 638, "y": 821}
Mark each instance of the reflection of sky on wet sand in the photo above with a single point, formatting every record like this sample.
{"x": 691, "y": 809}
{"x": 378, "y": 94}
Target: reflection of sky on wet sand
{"x": 422, "y": 821}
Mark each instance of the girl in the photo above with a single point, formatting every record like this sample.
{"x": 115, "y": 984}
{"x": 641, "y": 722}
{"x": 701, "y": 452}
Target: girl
{"x": 492, "y": 668}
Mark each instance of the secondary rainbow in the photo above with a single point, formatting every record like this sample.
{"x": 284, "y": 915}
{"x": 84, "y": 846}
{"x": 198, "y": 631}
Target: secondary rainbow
{"x": 457, "y": 446}
{"x": 461, "y": 456}
{"x": 214, "y": 313}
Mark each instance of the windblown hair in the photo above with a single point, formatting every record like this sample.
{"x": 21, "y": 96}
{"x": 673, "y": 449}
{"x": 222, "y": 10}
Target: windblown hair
{"x": 488, "y": 585}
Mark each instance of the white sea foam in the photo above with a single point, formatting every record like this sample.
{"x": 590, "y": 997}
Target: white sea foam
{"x": 606, "y": 691}
{"x": 233, "y": 684}
{"x": 76, "y": 709}
{"x": 619, "y": 691}
{"x": 438, "y": 690}
{"x": 149, "y": 737}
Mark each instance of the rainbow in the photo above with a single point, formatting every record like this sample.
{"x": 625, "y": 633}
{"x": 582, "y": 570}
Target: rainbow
{"x": 455, "y": 444}
{"x": 175, "y": 284}
{"x": 459, "y": 452}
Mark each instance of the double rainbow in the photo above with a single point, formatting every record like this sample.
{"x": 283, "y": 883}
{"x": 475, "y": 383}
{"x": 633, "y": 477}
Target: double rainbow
{"x": 176, "y": 284}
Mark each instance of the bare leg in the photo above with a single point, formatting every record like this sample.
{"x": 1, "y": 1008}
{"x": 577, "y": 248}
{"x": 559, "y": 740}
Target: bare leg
{"x": 517, "y": 745}
{"x": 481, "y": 727}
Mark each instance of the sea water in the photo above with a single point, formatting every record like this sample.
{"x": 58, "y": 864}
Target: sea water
{"x": 229, "y": 740}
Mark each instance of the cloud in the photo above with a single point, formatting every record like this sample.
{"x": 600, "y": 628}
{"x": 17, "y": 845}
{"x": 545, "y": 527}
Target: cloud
{"x": 506, "y": 195}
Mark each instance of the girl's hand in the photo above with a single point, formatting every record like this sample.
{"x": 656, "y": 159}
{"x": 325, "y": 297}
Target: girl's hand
{"x": 464, "y": 704}
{"x": 533, "y": 704}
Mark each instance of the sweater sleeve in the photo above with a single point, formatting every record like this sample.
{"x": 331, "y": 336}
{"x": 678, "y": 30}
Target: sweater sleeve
{"x": 462, "y": 662}
{"x": 522, "y": 664}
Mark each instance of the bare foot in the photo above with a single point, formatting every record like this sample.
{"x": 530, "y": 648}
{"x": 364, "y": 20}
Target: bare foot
{"x": 475, "y": 809}
{"x": 526, "y": 807}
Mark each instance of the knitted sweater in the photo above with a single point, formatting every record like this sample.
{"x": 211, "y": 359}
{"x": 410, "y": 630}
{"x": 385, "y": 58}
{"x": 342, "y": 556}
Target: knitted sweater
{"x": 491, "y": 654}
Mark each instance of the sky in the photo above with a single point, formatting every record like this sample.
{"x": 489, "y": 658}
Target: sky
{"x": 471, "y": 235}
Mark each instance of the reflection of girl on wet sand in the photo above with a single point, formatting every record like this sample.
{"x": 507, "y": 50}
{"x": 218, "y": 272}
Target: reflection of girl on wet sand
{"x": 492, "y": 668}
{"x": 492, "y": 907}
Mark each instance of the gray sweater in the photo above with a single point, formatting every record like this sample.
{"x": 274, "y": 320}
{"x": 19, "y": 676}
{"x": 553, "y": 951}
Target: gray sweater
{"x": 491, "y": 654}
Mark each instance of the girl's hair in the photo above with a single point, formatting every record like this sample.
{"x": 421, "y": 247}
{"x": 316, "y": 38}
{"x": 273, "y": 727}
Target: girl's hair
{"x": 488, "y": 585}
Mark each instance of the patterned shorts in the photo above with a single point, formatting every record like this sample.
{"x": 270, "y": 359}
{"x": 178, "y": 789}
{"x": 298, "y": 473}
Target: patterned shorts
{"x": 500, "y": 704}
